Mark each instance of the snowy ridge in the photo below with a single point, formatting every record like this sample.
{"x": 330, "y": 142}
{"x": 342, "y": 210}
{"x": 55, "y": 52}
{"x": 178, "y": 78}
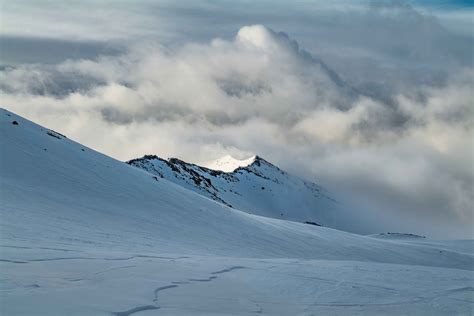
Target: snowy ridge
{"x": 255, "y": 186}
{"x": 78, "y": 224}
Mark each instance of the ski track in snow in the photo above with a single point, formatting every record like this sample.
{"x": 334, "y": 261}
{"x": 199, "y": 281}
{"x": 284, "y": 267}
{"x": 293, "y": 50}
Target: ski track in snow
{"x": 42, "y": 248}
{"x": 136, "y": 310}
{"x": 113, "y": 269}
{"x": 93, "y": 258}
{"x": 162, "y": 288}
{"x": 12, "y": 261}
{"x": 229, "y": 269}
{"x": 176, "y": 284}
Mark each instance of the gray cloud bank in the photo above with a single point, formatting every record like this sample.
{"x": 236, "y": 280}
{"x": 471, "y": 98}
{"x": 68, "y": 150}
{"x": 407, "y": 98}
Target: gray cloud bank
{"x": 381, "y": 113}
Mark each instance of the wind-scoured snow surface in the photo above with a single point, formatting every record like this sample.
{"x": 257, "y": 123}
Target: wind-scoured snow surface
{"x": 84, "y": 234}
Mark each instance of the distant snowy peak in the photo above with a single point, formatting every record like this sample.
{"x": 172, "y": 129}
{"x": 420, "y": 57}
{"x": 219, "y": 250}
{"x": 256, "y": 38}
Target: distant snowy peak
{"x": 228, "y": 163}
{"x": 253, "y": 185}
{"x": 397, "y": 236}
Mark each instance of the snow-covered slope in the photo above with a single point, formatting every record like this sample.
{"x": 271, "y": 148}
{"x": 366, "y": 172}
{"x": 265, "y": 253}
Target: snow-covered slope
{"x": 253, "y": 185}
{"x": 57, "y": 191}
{"x": 84, "y": 234}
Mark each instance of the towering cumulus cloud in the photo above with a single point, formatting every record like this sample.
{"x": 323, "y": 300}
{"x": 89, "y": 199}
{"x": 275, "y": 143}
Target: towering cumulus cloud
{"x": 398, "y": 159}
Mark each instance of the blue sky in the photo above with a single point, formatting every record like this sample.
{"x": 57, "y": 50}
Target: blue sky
{"x": 458, "y": 4}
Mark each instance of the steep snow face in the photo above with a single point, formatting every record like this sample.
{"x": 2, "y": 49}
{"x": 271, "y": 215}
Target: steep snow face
{"x": 77, "y": 224}
{"x": 228, "y": 163}
{"x": 254, "y": 186}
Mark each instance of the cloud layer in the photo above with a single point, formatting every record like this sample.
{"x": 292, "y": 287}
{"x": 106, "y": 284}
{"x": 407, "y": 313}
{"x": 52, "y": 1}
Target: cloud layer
{"x": 395, "y": 146}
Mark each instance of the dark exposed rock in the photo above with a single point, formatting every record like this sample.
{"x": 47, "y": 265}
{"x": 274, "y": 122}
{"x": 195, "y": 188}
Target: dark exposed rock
{"x": 402, "y": 235}
{"x": 54, "y": 134}
{"x": 312, "y": 223}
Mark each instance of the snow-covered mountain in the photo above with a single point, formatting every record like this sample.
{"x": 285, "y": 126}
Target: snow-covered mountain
{"x": 252, "y": 185}
{"x": 85, "y": 234}
{"x": 228, "y": 163}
